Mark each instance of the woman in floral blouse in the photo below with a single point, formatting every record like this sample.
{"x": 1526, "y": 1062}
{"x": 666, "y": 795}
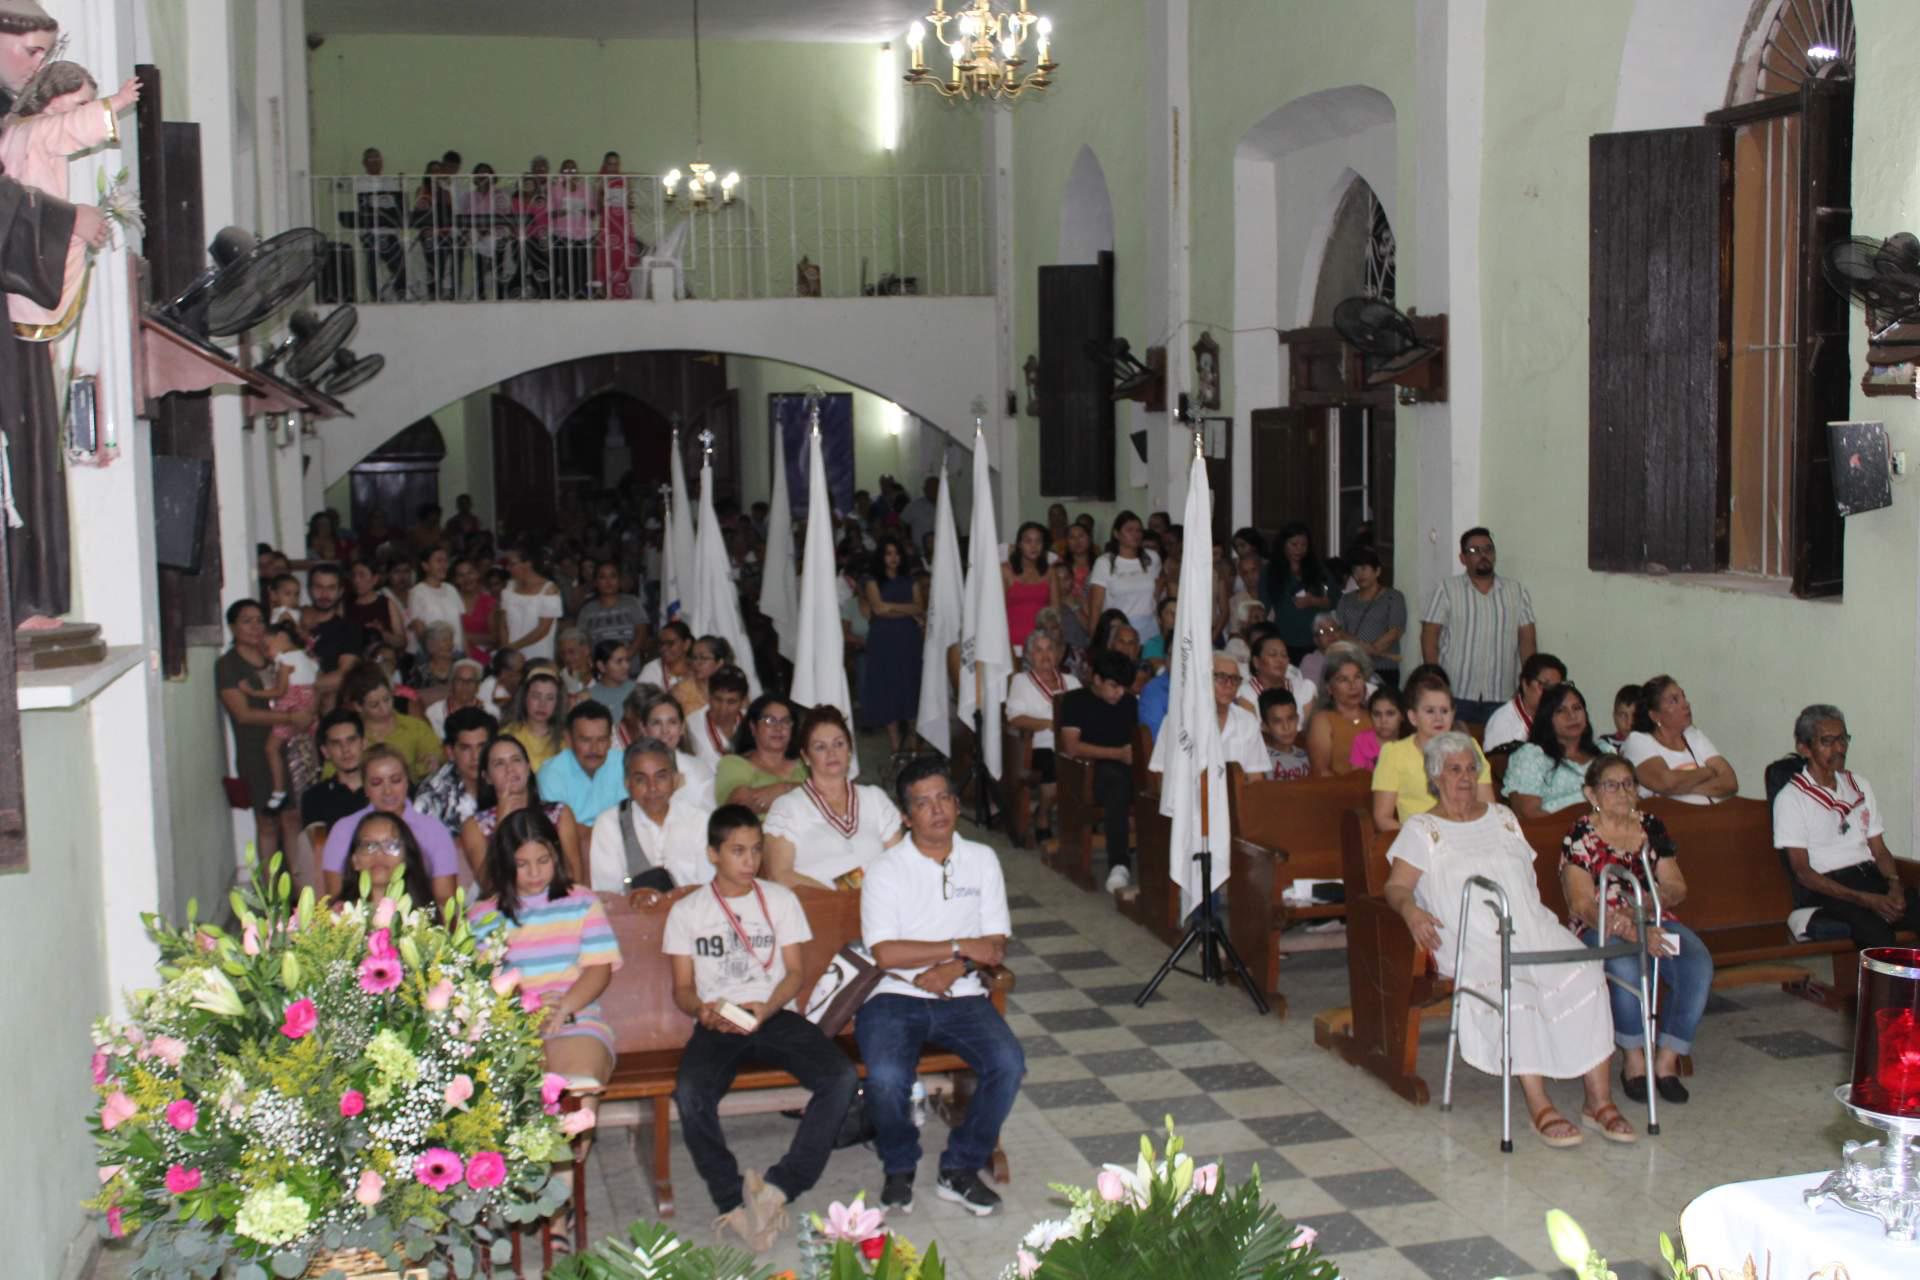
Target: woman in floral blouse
{"x": 1617, "y": 833}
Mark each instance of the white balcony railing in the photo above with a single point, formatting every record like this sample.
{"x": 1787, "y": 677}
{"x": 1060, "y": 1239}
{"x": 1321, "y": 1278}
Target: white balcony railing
{"x": 395, "y": 238}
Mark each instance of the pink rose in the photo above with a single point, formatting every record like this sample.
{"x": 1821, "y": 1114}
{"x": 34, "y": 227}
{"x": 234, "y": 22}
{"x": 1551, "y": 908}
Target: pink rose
{"x": 99, "y": 1064}
{"x": 384, "y": 913}
{"x": 380, "y": 943}
{"x": 352, "y": 1103}
{"x": 169, "y": 1050}
{"x": 181, "y": 1179}
{"x": 1303, "y": 1238}
{"x": 530, "y": 1001}
{"x": 504, "y": 981}
{"x": 116, "y": 1222}
{"x": 380, "y": 974}
{"x": 1029, "y": 1264}
{"x": 485, "y": 1170}
{"x": 1112, "y": 1189}
{"x": 439, "y": 996}
{"x": 551, "y": 1087}
{"x": 458, "y": 1091}
{"x": 250, "y": 939}
{"x": 437, "y": 1168}
{"x": 370, "y": 1189}
{"x": 117, "y": 1110}
{"x": 301, "y": 1019}
{"x": 182, "y": 1115}
{"x": 108, "y": 1172}
{"x": 1206, "y": 1178}
{"x": 575, "y": 1123}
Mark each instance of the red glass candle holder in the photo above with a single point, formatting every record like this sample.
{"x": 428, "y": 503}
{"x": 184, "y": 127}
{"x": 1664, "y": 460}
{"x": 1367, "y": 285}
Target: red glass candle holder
{"x": 1886, "y": 1042}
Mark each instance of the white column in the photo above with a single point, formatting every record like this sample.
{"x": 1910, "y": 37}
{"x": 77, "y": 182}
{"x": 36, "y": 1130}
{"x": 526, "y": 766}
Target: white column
{"x": 289, "y": 482}
{"x": 1169, "y": 91}
{"x": 295, "y": 130}
{"x": 1006, "y": 434}
{"x": 270, "y": 117}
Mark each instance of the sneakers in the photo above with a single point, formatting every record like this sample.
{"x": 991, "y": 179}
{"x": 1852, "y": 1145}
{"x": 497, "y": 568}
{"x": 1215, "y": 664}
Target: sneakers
{"x": 897, "y": 1195}
{"x": 964, "y": 1188}
{"x": 767, "y": 1206}
{"x": 1119, "y": 880}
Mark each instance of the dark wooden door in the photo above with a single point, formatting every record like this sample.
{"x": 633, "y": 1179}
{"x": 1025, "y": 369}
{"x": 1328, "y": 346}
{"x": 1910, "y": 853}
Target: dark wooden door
{"x": 1289, "y": 467}
{"x": 525, "y": 481}
{"x": 1076, "y": 393}
{"x": 396, "y": 490}
{"x": 1826, "y": 369}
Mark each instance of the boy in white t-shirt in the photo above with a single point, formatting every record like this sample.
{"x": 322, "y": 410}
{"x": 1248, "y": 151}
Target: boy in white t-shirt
{"x": 735, "y": 949}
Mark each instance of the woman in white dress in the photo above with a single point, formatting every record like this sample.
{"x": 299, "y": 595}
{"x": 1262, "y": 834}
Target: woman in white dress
{"x": 827, "y": 829}
{"x": 1562, "y": 1025}
{"x": 530, "y": 608}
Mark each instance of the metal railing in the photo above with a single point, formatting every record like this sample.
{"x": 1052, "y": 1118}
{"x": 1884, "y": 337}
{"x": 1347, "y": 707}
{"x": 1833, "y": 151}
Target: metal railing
{"x": 549, "y": 237}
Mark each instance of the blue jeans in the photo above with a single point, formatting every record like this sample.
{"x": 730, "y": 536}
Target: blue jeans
{"x": 1470, "y": 711}
{"x": 892, "y": 1029}
{"x": 1689, "y": 978}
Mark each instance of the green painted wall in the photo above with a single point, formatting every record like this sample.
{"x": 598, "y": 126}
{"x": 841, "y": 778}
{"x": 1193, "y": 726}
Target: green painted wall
{"x": 53, "y": 953}
{"x": 202, "y": 824}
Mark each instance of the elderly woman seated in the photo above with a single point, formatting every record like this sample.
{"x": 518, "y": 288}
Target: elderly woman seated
{"x": 1561, "y": 1023}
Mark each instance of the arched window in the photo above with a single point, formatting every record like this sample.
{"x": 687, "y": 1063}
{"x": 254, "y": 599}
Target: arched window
{"x": 1718, "y": 354}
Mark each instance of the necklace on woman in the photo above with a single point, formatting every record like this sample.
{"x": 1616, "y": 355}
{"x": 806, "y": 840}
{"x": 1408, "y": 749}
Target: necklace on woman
{"x": 845, "y": 826}
{"x": 1058, "y": 688}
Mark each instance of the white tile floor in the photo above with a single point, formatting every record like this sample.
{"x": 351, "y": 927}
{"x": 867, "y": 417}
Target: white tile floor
{"x": 1395, "y": 1190}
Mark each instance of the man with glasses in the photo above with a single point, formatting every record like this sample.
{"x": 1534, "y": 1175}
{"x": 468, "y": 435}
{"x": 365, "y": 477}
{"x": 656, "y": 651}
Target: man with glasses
{"x": 578, "y": 777}
{"x": 934, "y": 910}
{"x": 1240, "y": 740}
{"x": 1479, "y": 627}
{"x": 451, "y": 793}
{"x": 1830, "y": 825}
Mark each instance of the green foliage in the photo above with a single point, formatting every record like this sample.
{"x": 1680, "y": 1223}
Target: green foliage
{"x": 653, "y": 1251}
{"x": 1215, "y": 1237}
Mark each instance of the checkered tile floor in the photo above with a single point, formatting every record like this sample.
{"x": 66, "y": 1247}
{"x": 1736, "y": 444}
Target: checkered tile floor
{"x": 1394, "y": 1190}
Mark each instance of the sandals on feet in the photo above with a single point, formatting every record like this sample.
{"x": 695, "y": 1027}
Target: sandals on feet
{"x": 1609, "y": 1124}
{"x": 1568, "y": 1135}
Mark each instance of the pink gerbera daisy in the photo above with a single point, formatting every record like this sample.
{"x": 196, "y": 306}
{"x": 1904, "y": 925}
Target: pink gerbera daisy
{"x": 379, "y": 974}
{"x": 438, "y": 1168}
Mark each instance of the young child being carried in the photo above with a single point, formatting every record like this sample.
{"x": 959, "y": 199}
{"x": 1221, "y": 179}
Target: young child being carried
{"x": 295, "y": 676}
{"x": 283, "y": 600}
{"x": 56, "y": 118}
{"x": 735, "y": 948}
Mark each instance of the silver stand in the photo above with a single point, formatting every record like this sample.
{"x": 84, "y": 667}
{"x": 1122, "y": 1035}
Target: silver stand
{"x": 1879, "y": 1179}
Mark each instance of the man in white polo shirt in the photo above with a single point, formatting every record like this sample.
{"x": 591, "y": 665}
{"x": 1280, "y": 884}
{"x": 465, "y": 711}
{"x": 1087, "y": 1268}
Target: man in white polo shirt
{"x": 1829, "y": 823}
{"x": 933, "y": 910}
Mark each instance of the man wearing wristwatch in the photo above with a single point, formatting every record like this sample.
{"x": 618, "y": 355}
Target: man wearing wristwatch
{"x": 933, "y": 910}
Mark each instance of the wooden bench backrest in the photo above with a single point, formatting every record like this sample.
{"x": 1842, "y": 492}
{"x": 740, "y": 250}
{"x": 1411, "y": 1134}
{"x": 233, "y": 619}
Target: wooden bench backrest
{"x": 638, "y": 1004}
{"x": 1144, "y": 778}
{"x": 1302, "y": 816}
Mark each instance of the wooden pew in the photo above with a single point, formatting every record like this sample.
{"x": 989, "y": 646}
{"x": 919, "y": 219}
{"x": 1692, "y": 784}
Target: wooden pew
{"x": 1155, "y": 906}
{"x": 1282, "y": 832}
{"x": 960, "y": 760}
{"x": 1737, "y": 901}
{"x": 1020, "y": 784}
{"x": 650, "y": 1031}
{"x": 1072, "y": 852}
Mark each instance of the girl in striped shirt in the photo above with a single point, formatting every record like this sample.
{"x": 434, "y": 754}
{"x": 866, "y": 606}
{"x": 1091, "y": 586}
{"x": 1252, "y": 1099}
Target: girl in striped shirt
{"x": 557, "y": 936}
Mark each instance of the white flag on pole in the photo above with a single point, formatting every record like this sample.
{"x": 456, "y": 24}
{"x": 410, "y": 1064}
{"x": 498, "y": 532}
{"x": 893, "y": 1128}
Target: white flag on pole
{"x": 943, "y": 625}
{"x": 779, "y": 594}
{"x": 679, "y": 532}
{"x": 716, "y": 600}
{"x": 820, "y": 661}
{"x": 1187, "y": 755}
{"x": 986, "y": 650}
{"x": 669, "y": 569}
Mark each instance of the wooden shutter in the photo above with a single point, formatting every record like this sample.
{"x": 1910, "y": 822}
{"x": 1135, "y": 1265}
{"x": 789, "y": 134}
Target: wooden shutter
{"x": 1660, "y": 310}
{"x": 1289, "y": 468}
{"x": 1076, "y": 393}
{"x": 1818, "y": 532}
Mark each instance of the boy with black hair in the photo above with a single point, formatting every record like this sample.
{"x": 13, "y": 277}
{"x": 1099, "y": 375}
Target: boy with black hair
{"x": 1280, "y": 726}
{"x": 735, "y": 948}
{"x": 1096, "y": 724}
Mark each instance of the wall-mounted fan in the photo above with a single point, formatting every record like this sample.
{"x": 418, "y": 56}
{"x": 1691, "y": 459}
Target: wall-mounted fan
{"x": 311, "y": 342}
{"x": 247, "y": 281}
{"x": 1385, "y": 337}
{"x": 1132, "y": 378}
{"x": 349, "y": 372}
{"x": 1881, "y": 275}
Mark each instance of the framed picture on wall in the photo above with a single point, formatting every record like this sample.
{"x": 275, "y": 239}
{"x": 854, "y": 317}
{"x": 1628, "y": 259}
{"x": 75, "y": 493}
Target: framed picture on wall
{"x": 789, "y": 410}
{"x": 1206, "y": 372}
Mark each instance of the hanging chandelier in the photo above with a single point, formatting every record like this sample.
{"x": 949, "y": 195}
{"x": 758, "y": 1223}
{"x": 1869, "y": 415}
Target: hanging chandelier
{"x": 704, "y": 186}
{"x": 986, "y": 51}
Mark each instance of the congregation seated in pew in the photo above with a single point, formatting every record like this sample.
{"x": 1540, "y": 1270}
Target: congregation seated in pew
{"x": 1341, "y": 717}
{"x": 656, "y": 837}
{"x": 1512, "y": 722}
{"x": 1670, "y": 755}
{"x": 1385, "y": 723}
{"x": 826, "y": 832}
{"x": 1242, "y": 740}
{"x": 1032, "y": 693}
{"x": 1096, "y": 725}
{"x": 1401, "y": 785}
{"x": 1280, "y": 732}
{"x": 1547, "y": 772}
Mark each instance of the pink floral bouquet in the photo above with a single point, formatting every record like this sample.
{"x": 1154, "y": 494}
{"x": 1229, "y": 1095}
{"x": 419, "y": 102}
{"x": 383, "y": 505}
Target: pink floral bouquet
{"x": 354, "y": 1077}
{"x": 852, "y": 1240}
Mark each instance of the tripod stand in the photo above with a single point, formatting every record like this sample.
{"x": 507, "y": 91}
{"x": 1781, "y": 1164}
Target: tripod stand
{"x": 1207, "y": 930}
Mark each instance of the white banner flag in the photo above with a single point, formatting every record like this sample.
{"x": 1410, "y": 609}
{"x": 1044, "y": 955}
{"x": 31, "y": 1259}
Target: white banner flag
{"x": 779, "y": 594}
{"x": 943, "y": 625}
{"x": 716, "y": 600}
{"x": 1187, "y": 755}
{"x": 680, "y": 531}
{"x": 820, "y": 661}
{"x": 671, "y": 603}
{"x": 986, "y": 651}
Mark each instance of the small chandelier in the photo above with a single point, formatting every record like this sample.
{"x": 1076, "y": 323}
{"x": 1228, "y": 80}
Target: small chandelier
{"x": 703, "y": 184}
{"x": 986, "y": 53}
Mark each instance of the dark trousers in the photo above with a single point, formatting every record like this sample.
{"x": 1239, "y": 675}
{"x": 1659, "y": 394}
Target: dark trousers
{"x": 892, "y": 1029}
{"x": 786, "y": 1041}
{"x": 1868, "y": 927}
{"x": 1113, "y": 792}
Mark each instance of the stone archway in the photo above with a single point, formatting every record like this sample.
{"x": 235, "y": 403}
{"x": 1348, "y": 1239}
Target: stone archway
{"x": 1086, "y": 212}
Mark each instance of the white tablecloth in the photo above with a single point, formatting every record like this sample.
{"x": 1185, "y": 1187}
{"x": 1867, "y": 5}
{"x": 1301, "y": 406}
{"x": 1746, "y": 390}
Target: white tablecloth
{"x": 1787, "y": 1240}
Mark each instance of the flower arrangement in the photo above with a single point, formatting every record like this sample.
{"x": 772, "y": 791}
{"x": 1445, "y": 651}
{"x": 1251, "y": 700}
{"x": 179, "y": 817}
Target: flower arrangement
{"x": 359, "y": 1078}
{"x": 852, "y": 1243}
{"x": 1166, "y": 1219}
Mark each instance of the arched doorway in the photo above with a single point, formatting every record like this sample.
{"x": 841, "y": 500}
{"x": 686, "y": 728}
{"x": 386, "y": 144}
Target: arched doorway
{"x": 1086, "y": 211}
{"x": 607, "y": 438}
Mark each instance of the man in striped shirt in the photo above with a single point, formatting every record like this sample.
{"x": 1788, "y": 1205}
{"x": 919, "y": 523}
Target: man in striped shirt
{"x": 1479, "y": 627}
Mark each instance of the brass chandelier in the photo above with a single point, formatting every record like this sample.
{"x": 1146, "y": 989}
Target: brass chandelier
{"x": 986, "y": 52}
{"x": 704, "y": 186}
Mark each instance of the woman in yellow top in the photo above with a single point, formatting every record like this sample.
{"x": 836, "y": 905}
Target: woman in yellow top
{"x": 533, "y": 718}
{"x": 1400, "y": 784}
{"x": 366, "y": 691}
